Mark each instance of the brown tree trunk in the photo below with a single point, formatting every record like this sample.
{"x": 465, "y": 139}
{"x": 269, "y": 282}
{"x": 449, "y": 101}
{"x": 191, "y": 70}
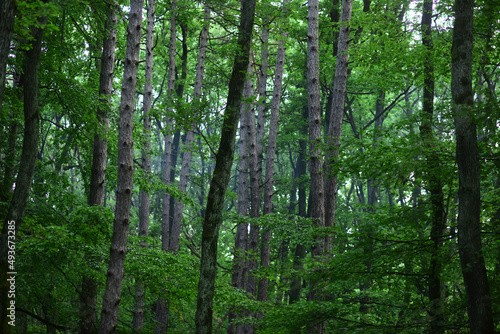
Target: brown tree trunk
{"x": 26, "y": 171}
{"x": 336, "y": 117}
{"x": 88, "y": 294}
{"x": 467, "y": 155}
{"x": 161, "y": 308}
{"x": 144, "y": 205}
{"x": 118, "y": 249}
{"x": 265, "y": 251}
{"x": 222, "y": 171}
{"x": 239, "y": 275}
{"x": 186, "y": 158}
{"x": 317, "y": 195}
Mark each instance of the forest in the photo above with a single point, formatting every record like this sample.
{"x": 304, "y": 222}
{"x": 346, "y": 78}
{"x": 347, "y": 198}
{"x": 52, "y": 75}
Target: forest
{"x": 243, "y": 166}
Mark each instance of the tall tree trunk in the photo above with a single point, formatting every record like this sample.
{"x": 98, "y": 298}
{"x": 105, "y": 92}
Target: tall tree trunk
{"x": 467, "y": 155}
{"x": 118, "y": 249}
{"x": 433, "y": 175}
{"x": 161, "y": 308}
{"x": 222, "y": 171}
{"x": 337, "y": 114}
{"x": 239, "y": 275}
{"x": 6, "y": 29}
{"x": 188, "y": 142}
{"x": 316, "y": 196}
{"x": 265, "y": 252}
{"x": 138, "y": 320}
{"x": 25, "y": 174}
{"x": 88, "y": 294}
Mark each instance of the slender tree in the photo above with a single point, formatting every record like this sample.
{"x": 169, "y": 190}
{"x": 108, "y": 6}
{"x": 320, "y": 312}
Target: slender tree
{"x": 88, "y": 295}
{"x": 144, "y": 204}
{"x": 118, "y": 249}
{"x": 270, "y": 159}
{"x": 188, "y": 142}
{"x": 27, "y": 165}
{"x": 6, "y": 28}
{"x": 434, "y": 174}
{"x": 337, "y": 115}
{"x": 467, "y": 155}
{"x": 222, "y": 171}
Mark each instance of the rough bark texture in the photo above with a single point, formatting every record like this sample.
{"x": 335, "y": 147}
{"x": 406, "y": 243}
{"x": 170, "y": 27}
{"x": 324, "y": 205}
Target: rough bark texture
{"x": 222, "y": 171}
{"x": 467, "y": 155}
{"x": 88, "y": 294}
{"x": 161, "y": 309}
{"x": 118, "y": 249}
{"x": 26, "y": 167}
{"x": 239, "y": 276}
{"x": 336, "y": 116}
{"x": 265, "y": 251}
{"x": 186, "y": 158}
{"x": 144, "y": 205}
{"x": 6, "y": 29}
{"x": 316, "y": 196}
{"x": 433, "y": 175}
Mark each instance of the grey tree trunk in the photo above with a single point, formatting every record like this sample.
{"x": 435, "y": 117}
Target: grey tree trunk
{"x": 316, "y": 195}
{"x": 186, "y": 158}
{"x": 144, "y": 205}
{"x": 161, "y": 308}
{"x": 88, "y": 295}
{"x": 222, "y": 171}
{"x": 265, "y": 251}
{"x": 118, "y": 249}
{"x": 336, "y": 116}
{"x": 239, "y": 275}
{"x": 467, "y": 155}
{"x": 26, "y": 167}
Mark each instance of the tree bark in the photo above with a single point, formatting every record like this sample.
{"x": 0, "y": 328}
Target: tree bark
{"x": 6, "y": 29}
{"x": 161, "y": 309}
{"x": 144, "y": 205}
{"x": 118, "y": 249}
{"x": 186, "y": 158}
{"x": 88, "y": 294}
{"x": 26, "y": 171}
{"x": 467, "y": 155}
{"x": 222, "y": 171}
{"x": 265, "y": 252}
{"x": 433, "y": 175}
{"x": 337, "y": 115}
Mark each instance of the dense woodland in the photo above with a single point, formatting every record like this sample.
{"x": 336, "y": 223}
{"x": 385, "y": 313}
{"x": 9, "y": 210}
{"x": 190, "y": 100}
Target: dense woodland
{"x": 250, "y": 166}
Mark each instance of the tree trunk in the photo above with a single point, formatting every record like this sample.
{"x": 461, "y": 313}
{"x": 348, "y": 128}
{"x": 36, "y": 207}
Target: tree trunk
{"x": 88, "y": 294}
{"x": 6, "y": 29}
{"x": 239, "y": 275}
{"x": 337, "y": 115}
{"x": 161, "y": 309}
{"x": 265, "y": 252}
{"x": 433, "y": 175}
{"x": 25, "y": 174}
{"x": 316, "y": 196}
{"x": 186, "y": 158}
{"x": 138, "y": 320}
{"x": 467, "y": 155}
{"x": 118, "y": 249}
{"x": 222, "y": 171}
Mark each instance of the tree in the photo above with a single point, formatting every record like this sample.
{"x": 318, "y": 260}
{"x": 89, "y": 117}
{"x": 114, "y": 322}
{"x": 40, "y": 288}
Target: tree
{"x": 118, "y": 249}
{"x": 88, "y": 296}
{"x": 26, "y": 171}
{"x": 220, "y": 178}
{"x": 6, "y": 29}
{"x": 467, "y": 155}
